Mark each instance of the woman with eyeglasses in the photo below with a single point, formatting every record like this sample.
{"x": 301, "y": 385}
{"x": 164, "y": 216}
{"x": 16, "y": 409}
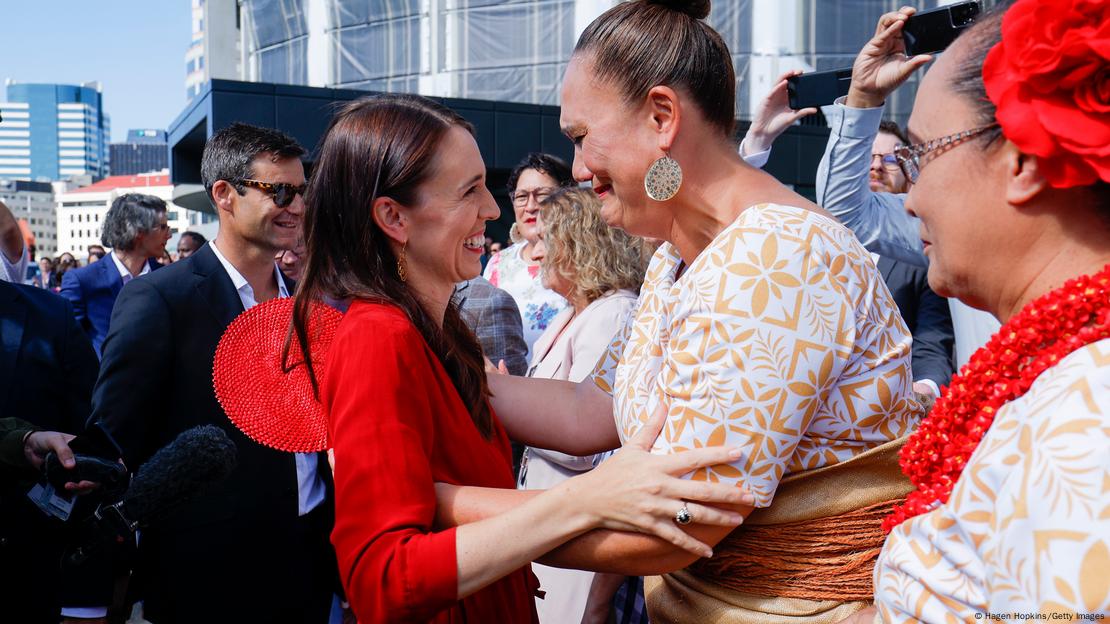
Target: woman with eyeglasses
{"x": 599, "y": 270}
{"x": 514, "y": 269}
{"x": 1010, "y": 178}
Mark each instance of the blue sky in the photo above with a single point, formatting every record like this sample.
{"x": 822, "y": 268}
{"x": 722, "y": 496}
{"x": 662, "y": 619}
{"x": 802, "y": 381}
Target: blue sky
{"x": 135, "y": 48}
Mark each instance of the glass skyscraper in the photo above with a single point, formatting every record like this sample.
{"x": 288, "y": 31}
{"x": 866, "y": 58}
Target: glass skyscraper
{"x": 53, "y": 131}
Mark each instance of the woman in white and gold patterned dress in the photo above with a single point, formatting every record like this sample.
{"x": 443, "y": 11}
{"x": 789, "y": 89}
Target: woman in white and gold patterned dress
{"x": 1011, "y": 517}
{"x": 762, "y": 323}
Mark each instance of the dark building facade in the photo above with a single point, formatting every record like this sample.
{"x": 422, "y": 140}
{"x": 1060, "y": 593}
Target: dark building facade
{"x": 143, "y": 152}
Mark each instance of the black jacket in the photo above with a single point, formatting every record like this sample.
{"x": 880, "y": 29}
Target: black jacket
{"x": 927, "y": 316}
{"x": 240, "y": 552}
{"x": 47, "y": 371}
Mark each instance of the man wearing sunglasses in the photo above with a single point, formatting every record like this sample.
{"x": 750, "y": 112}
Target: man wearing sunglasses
{"x": 255, "y": 547}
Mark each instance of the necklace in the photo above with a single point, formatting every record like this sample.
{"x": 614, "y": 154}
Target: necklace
{"x": 1044, "y": 332}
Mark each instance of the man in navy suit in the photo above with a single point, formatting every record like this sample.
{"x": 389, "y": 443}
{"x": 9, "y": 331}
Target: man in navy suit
{"x": 136, "y": 230}
{"x": 47, "y": 371}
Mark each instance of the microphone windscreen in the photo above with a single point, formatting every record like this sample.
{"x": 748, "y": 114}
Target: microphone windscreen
{"x": 178, "y": 472}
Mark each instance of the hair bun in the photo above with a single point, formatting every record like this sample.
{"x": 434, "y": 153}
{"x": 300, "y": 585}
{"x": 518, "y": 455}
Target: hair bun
{"x": 697, "y": 9}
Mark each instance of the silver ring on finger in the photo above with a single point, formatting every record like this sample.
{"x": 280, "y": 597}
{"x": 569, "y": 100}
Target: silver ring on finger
{"x": 683, "y": 516}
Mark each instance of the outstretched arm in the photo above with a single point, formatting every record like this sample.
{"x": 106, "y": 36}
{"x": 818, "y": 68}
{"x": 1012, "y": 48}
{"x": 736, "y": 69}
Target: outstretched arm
{"x": 527, "y": 407}
{"x": 602, "y": 550}
{"x": 879, "y": 220}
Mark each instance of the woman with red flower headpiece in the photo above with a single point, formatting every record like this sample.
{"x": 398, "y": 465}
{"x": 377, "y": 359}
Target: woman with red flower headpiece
{"x": 1010, "y": 517}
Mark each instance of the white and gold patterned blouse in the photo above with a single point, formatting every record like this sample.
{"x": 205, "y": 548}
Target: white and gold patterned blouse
{"x": 780, "y": 338}
{"x": 1027, "y": 528}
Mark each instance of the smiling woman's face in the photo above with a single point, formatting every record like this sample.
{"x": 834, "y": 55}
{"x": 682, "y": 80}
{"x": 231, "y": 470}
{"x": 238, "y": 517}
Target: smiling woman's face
{"x": 532, "y": 187}
{"x": 448, "y": 223}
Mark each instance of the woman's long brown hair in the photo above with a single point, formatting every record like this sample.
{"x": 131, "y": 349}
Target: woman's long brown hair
{"x": 380, "y": 146}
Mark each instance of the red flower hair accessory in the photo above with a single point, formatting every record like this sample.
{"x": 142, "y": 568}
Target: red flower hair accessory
{"x": 1049, "y": 79}
{"x": 271, "y": 405}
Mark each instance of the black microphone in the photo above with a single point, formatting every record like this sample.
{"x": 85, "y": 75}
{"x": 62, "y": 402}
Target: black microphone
{"x": 177, "y": 473}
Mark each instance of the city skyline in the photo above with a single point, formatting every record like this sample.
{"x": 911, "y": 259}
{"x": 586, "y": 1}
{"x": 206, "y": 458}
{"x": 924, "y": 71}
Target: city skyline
{"x": 134, "y": 49}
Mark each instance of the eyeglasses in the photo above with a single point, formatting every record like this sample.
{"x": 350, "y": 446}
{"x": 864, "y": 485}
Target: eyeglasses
{"x": 886, "y": 160}
{"x": 520, "y": 198}
{"x": 909, "y": 156}
{"x": 283, "y": 194}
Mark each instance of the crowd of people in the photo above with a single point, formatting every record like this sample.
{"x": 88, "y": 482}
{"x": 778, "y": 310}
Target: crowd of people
{"x": 683, "y": 393}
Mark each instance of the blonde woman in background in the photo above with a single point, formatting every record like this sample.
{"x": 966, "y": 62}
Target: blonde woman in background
{"x": 516, "y": 269}
{"x": 598, "y": 270}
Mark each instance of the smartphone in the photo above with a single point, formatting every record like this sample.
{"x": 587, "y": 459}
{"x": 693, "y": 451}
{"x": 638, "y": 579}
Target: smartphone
{"x": 817, "y": 89}
{"x": 933, "y": 30}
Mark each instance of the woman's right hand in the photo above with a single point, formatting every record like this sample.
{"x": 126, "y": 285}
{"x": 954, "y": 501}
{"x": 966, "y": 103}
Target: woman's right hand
{"x": 882, "y": 65}
{"x": 637, "y": 491}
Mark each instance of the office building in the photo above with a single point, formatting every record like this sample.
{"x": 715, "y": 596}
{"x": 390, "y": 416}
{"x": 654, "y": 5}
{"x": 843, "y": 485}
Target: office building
{"x": 53, "y": 131}
{"x": 518, "y": 51}
{"x": 143, "y": 152}
{"x": 33, "y": 203}
{"x": 214, "y": 48}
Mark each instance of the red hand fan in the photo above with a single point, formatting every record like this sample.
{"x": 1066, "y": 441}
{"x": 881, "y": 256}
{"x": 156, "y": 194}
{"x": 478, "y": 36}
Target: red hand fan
{"x": 271, "y": 405}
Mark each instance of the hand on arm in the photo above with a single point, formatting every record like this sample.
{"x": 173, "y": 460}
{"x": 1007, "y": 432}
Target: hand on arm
{"x": 633, "y": 491}
{"x": 882, "y": 65}
{"x": 772, "y": 118}
{"x": 639, "y": 535}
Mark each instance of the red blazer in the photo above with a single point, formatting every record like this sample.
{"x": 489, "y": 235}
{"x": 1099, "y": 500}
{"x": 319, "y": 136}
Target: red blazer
{"x": 399, "y": 426}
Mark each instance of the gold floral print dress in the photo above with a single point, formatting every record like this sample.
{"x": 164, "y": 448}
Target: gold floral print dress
{"x": 1026, "y": 531}
{"x": 781, "y": 338}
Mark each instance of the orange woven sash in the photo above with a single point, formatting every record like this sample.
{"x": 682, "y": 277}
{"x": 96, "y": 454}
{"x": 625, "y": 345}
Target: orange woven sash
{"x": 830, "y": 558}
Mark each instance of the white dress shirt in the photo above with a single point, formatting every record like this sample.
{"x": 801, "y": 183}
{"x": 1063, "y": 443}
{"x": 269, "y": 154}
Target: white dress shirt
{"x": 310, "y": 487}
{"x": 14, "y": 272}
{"x": 124, "y": 272}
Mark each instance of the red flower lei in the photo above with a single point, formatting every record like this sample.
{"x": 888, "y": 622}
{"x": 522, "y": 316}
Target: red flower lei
{"x": 1034, "y": 340}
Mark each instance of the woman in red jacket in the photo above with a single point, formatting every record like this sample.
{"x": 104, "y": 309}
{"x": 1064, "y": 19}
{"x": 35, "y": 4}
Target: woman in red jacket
{"x": 395, "y": 216}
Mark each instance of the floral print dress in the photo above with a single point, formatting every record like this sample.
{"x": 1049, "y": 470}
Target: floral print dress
{"x": 509, "y": 271}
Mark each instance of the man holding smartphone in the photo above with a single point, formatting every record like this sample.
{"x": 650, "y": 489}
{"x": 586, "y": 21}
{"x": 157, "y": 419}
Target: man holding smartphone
{"x": 878, "y": 218}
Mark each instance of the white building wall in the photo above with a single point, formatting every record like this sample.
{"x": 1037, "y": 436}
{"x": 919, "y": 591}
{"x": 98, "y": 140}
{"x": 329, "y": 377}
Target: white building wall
{"x": 517, "y": 51}
{"x": 80, "y": 215}
{"x": 214, "y": 48}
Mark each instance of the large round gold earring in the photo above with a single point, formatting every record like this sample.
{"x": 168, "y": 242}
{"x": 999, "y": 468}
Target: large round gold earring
{"x": 402, "y": 270}
{"x": 663, "y": 179}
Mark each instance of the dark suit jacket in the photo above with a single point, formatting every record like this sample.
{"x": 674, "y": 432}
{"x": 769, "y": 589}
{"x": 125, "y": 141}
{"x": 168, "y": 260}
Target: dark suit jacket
{"x": 493, "y": 316}
{"x": 47, "y": 371}
{"x": 239, "y": 553}
{"x": 93, "y": 290}
{"x": 927, "y": 316}
{"x": 47, "y": 366}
